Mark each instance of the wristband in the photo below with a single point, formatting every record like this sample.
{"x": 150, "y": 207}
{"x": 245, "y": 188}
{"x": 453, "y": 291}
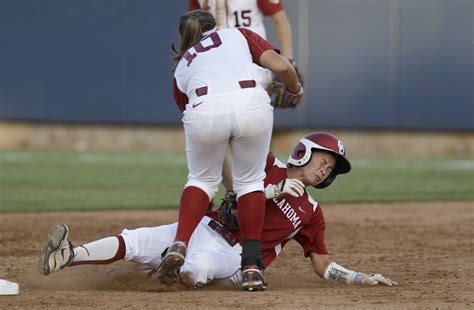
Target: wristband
{"x": 337, "y": 273}
{"x": 298, "y": 93}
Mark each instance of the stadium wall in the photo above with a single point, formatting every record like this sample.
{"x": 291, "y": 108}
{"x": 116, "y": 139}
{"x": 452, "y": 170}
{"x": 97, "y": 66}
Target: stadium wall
{"x": 369, "y": 65}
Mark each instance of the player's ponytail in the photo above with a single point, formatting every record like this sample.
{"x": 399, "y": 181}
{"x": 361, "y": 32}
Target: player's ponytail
{"x": 191, "y": 27}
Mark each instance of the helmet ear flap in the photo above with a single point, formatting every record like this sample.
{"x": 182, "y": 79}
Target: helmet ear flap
{"x": 301, "y": 154}
{"x": 326, "y": 182}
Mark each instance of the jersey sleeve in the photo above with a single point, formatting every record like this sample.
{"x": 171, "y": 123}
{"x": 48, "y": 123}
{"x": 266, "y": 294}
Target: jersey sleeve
{"x": 269, "y": 7}
{"x": 257, "y": 44}
{"x": 193, "y": 5}
{"x": 269, "y": 163}
{"x": 179, "y": 97}
{"x": 311, "y": 236}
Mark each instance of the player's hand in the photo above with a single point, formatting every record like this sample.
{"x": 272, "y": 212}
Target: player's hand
{"x": 376, "y": 279}
{"x": 292, "y": 187}
{"x": 295, "y": 97}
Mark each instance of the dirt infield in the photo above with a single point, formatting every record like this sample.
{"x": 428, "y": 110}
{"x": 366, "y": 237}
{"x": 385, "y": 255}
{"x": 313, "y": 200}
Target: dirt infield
{"x": 428, "y": 248}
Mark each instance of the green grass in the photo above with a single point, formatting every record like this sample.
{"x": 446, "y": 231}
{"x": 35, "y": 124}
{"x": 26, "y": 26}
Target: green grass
{"x": 69, "y": 180}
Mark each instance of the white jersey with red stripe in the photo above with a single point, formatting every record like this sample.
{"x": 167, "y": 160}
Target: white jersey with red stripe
{"x": 218, "y": 62}
{"x": 248, "y": 14}
{"x": 239, "y": 13}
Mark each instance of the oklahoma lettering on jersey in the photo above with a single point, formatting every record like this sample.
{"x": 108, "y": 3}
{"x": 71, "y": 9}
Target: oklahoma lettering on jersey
{"x": 288, "y": 217}
{"x": 248, "y": 14}
{"x": 218, "y": 63}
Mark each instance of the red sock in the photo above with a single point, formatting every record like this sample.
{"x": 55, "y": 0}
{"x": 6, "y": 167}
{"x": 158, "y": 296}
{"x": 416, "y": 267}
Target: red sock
{"x": 193, "y": 206}
{"x": 251, "y": 208}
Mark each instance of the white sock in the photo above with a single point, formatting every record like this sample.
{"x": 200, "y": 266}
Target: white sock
{"x": 97, "y": 251}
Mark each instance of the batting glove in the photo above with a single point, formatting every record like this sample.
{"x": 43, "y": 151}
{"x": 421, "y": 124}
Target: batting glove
{"x": 293, "y": 187}
{"x": 375, "y": 279}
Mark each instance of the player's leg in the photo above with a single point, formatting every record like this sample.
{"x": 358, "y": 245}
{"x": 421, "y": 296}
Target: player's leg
{"x": 227, "y": 174}
{"x": 206, "y": 143}
{"x": 210, "y": 258}
{"x": 142, "y": 245}
{"x": 59, "y": 252}
{"x": 226, "y": 179}
{"x": 250, "y": 149}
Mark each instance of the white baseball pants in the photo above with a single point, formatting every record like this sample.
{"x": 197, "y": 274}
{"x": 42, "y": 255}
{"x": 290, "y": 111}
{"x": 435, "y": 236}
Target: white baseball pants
{"x": 242, "y": 119}
{"x": 209, "y": 256}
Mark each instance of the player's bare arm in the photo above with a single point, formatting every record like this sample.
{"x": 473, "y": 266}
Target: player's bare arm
{"x": 285, "y": 72}
{"x": 282, "y": 69}
{"x": 283, "y": 28}
{"x": 333, "y": 272}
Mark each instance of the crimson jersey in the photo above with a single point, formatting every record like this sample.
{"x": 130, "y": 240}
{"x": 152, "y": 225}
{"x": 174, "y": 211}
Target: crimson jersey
{"x": 239, "y": 13}
{"x": 288, "y": 217}
{"x": 218, "y": 63}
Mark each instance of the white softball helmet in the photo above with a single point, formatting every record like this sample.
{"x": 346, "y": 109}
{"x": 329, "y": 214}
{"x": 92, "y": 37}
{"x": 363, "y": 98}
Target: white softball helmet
{"x": 322, "y": 141}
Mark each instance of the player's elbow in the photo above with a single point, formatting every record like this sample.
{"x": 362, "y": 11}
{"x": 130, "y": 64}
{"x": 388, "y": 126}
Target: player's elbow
{"x": 276, "y": 63}
{"x": 283, "y": 68}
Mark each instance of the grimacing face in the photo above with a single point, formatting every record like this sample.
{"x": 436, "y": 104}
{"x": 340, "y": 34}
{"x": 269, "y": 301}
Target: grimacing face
{"x": 318, "y": 169}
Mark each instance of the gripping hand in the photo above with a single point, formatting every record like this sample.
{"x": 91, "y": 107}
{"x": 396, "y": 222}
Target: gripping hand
{"x": 293, "y": 187}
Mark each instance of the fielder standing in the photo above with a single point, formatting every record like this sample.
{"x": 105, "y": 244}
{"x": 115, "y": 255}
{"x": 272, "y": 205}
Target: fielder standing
{"x": 250, "y": 14}
{"x": 223, "y": 106}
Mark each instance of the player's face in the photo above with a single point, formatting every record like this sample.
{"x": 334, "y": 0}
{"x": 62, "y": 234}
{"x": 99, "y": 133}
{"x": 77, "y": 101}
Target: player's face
{"x": 319, "y": 168}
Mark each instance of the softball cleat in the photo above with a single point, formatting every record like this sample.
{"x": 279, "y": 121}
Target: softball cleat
{"x": 58, "y": 252}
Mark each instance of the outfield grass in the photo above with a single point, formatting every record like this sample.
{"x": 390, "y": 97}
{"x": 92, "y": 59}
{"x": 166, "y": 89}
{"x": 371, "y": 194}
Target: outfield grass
{"x": 69, "y": 180}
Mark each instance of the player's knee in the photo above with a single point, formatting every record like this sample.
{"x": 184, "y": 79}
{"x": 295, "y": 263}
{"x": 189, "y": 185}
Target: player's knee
{"x": 245, "y": 188}
{"x": 210, "y": 188}
{"x": 193, "y": 277}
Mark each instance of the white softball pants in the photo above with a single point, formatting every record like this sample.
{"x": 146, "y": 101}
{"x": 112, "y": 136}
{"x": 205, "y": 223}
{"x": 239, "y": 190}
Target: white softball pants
{"x": 209, "y": 256}
{"x": 242, "y": 119}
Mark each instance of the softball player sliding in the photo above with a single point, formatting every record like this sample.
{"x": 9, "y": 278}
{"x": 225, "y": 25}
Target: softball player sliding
{"x": 214, "y": 249}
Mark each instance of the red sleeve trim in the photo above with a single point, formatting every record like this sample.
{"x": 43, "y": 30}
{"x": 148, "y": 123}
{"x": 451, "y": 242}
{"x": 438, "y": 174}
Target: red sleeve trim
{"x": 179, "y": 97}
{"x": 269, "y": 7}
{"x": 269, "y": 164}
{"x": 193, "y": 5}
{"x": 257, "y": 44}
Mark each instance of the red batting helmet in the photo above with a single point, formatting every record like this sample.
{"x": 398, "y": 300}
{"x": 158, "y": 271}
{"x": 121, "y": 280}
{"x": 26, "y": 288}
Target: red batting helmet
{"x": 322, "y": 141}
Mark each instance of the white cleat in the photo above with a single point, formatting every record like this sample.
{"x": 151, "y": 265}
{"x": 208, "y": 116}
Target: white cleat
{"x": 58, "y": 252}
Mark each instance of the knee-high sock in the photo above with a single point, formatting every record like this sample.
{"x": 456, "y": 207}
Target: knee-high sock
{"x": 192, "y": 207}
{"x": 251, "y": 208}
{"x": 103, "y": 251}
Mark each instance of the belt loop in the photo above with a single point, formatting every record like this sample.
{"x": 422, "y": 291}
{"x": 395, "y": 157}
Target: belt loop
{"x": 247, "y": 83}
{"x": 201, "y": 91}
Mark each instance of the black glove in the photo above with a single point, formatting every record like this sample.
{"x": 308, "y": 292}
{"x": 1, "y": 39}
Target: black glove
{"x": 228, "y": 211}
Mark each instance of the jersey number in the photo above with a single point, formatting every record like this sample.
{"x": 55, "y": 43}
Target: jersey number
{"x": 244, "y": 18}
{"x": 199, "y": 48}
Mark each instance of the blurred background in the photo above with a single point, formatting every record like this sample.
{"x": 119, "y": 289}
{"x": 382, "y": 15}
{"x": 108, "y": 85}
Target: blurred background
{"x": 87, "y": 118}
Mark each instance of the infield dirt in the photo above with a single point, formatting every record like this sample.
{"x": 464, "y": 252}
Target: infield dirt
{"x": 427, "y": 247}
